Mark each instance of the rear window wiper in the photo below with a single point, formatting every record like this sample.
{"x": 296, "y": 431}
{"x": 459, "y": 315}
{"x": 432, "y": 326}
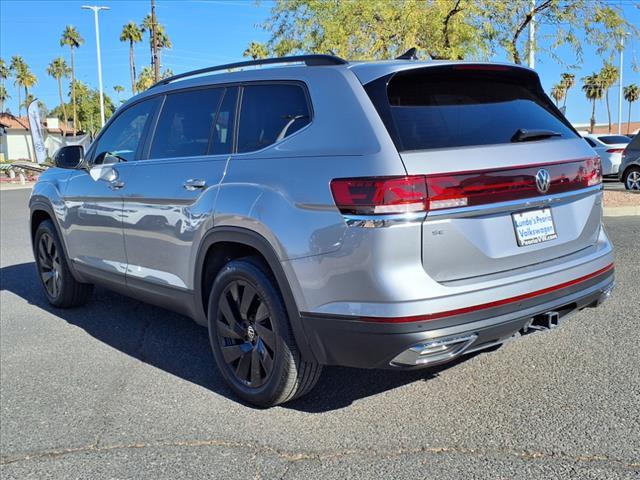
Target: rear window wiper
{"x": 526, "y": 135}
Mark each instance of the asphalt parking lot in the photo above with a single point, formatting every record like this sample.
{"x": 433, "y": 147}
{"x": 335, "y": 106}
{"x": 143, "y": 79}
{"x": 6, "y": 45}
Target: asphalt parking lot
{"x": 119, "y": 389}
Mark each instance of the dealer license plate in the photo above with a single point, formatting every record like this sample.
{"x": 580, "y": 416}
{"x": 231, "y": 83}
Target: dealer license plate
{"x": 534, "y": 226}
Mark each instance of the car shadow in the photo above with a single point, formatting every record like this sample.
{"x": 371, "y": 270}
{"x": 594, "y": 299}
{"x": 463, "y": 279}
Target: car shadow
{"x": 179, "y": 346}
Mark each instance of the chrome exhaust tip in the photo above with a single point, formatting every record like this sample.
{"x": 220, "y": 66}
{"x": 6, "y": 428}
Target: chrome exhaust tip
{"x": 434, "y": 351}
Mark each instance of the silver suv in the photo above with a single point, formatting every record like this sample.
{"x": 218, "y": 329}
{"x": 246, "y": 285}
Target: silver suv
{"x": 392, "y": 214}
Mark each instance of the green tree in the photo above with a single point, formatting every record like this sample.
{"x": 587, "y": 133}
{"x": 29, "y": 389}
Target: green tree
{"x": 445, "y": 29}
{"x": 147, "y": 78}
{"x": 4, "y": 96}
{"x": 4, "y": 75}
{"x": 593, "y": 89}
{"x": 88, "y": 107}
{"x": 631, "y": 94}
{"x": 27, "y": 101}
{"x": 71, "y": 38}
{"x": 131, "y": 33}
{"x": 24, "y": 78}
{"x": 59, "y": 69}
{"x": 119, "y": 89}
{"x": 568, "y": 81}
{"x": 609, "y": 76}
{"x": 256, "y": 50}
{"x": 558, "y": 92}
{"x": 16, "y": 67}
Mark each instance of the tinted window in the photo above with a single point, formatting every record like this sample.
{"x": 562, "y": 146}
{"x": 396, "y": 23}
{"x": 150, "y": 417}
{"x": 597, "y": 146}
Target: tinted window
{"x": 270, "y": 113}
{"x": 222, "y": 134}
{"x": 455, "y": 107}
{"x": 612, "y": 139}
{"x": 121, "y": 139}
{"x": 184, "y": 126}
{"x": 591, "y": 142}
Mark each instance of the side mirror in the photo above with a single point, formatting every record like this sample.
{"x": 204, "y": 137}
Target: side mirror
{"x": 70, "y": 156}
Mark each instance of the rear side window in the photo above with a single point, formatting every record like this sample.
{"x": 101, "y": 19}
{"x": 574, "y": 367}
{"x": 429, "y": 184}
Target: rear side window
{"x": 591, "y": 142}
{"x": 184, "y": 126}
{"x": 437, "y": 107}
{"x": 613, "y": 139}
{"x": 270, "y": 113}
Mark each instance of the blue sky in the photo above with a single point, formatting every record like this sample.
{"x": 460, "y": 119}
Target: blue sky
{"x": 206, "y": 33}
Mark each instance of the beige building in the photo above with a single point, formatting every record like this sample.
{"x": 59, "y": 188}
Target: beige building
{"x": 15, "y": 137}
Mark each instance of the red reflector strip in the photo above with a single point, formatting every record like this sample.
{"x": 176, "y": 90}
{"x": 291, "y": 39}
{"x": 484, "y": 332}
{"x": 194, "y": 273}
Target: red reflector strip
{"x": 615, "y": 150}
{"x": 483, "y": 306}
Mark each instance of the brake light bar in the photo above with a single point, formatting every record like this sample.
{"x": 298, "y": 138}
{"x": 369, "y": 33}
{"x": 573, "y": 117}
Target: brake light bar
{"x": 421, "y": 193}
{"x": 615, "y": 150}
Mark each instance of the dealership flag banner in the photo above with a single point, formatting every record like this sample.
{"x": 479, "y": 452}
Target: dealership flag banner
{"x": 35, "y": 125}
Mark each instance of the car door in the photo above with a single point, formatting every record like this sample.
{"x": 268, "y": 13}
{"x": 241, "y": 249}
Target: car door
{"x": 169, "y": 202}
{"x": 93, "y": 196}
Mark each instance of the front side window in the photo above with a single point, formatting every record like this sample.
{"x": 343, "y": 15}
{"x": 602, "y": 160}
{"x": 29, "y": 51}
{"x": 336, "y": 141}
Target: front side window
{"x": 121, "y": 139}
{"x": 270, "y": 113}
{"x": 184, "y": 126}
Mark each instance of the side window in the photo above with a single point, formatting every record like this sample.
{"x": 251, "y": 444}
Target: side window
{"x": 121, "y": 139}
{"x": 270, "y": 113}
{"x": 184, "y": 126}
{"x": 591, "y": 142}
{"x": 222, "y": 134}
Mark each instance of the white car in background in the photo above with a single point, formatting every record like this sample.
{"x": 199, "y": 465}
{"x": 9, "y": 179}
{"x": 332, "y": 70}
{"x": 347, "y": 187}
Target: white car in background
{"x": 609, "y": 148}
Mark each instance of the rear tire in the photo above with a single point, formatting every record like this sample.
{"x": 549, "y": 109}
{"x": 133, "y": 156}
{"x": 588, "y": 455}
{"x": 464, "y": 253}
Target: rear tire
{"x": 631, "y": 179}
{"x": 251, "y": 337}
{"x": 60, "y": 288}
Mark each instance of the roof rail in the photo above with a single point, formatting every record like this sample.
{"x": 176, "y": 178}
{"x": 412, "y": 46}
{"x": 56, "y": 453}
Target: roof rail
{"x": 309, "y": 60}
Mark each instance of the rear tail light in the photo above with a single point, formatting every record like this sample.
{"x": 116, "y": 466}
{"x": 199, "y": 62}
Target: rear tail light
{"x": 419, "y": 193}
{"x": 615, "y": 150}
{"x": 383, "y": 195}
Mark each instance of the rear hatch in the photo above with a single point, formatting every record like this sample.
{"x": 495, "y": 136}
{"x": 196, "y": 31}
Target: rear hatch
{"x": 510, "y": 184}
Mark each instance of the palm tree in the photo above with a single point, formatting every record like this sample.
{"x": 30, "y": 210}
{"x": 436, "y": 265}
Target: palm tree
{"x": 59, "y": 69}
{"x": 568, "y": 80}
{"x": 27, "y": 80}
{"x": 4, "y": 75}
{"x": 631, "y": 94}
{"x": 256, "y": 50}
{"x": 593, "y": 89}
{"x": 16, "y": 66}
{"x": 4, "y": 96}
{"x": 118, "y": 89}
{"x": 71, "y": 38}
{"x": 558, "y": 92}
{"x": 131, "y": 33}
{"x": 609, "y": 76}
{"x": 162, "y": 39}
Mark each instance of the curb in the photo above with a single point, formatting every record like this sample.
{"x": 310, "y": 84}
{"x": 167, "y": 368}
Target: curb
{"x": 621, "y": 211}
{"x": 15, "y": 186}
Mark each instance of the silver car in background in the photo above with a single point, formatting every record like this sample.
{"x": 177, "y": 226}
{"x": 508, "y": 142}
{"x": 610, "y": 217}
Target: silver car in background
{"x": 609, "y": 148}
{"x": 393, "y": 214}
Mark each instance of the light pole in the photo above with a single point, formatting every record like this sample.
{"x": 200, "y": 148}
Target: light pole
{"x": 96, "y": 9}
{"x": 620, "y": 86}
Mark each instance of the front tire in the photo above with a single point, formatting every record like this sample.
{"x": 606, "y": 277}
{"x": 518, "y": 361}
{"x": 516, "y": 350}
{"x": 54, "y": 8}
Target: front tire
{"x": 631, "y": 179}
{"x": 60, "y": 288}
{"x": 251, "y": 338}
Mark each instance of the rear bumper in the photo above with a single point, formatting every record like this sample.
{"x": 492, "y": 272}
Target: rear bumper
{"x": 355, "y": 342}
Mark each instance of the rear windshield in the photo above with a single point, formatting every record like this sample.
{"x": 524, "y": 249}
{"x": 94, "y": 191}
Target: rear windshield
{"x": 613, "y": 139}
{"x": 437, "y": 107}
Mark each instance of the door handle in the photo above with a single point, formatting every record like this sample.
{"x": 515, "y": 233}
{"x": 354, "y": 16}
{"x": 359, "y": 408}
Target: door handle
{"x": 194, "y": 184}
{"x": 116, "y": 184}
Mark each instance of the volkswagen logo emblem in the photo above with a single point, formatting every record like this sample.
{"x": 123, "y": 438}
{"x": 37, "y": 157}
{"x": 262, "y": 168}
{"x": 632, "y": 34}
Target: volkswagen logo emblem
{"x": 543, "y": 180}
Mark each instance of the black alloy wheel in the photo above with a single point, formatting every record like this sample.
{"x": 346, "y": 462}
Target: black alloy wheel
{"x": 246, "y": 334}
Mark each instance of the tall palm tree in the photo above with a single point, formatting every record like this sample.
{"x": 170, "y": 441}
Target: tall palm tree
{"x": 16, "y": 67}
{"x": 118, "y": 89}
{"x": 609, "y": 76}
{"x": 557, "y": 92}
{"x": 256, "y": 50}
{"x": 71, "y": 38}
{"x": 131, "y": 33}
{"x": 27, "y": 80}
{"x": 4, "y": 96}
{"x": 162, "y": 39}
{"x": 4, "y": 75}
{"x": 631, "y": 94}
{"x": 59, "y": 69}
{"x": 593, "y": 89}
{"x": 568, "y": 80}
